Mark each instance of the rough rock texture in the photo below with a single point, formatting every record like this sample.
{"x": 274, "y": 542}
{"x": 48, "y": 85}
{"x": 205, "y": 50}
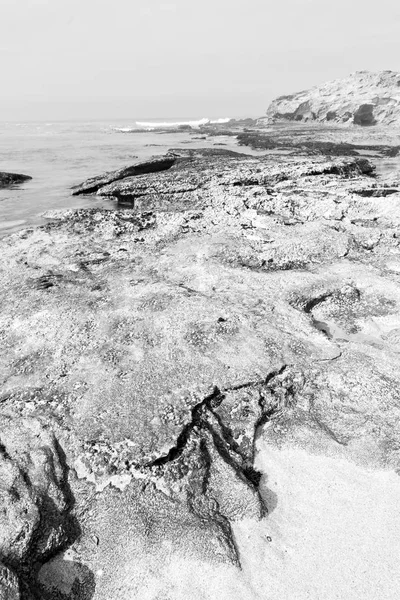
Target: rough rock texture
{"x": 281, "y": 141}
{"x": 156, "y": 341}
{"x": 9, "y": 179}
{"x": 152, "y": 165}
{"x": 65, "y": 580}
{"x": 177, "y": 188}
{"x": 32, "y": 465}
{"x": 34, "y": 496}
{"x": 9, "y": 586}
{"x": 364, "y": 98}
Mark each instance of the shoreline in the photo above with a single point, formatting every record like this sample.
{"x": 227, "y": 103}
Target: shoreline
{"x": 163, "y": 345}
{"x": 275, "y": 141}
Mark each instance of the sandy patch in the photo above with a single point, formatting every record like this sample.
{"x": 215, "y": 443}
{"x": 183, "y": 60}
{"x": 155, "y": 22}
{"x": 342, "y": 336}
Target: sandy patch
{"x": 335, "y": 530}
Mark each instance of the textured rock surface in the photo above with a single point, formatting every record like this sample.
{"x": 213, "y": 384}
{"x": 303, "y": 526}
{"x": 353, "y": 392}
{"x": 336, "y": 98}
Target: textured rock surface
{"x": 151, "y": 165}
{"x": 157, "y": 340}
{"x": 364, "y": 98}
{"x": 9, "y": 179}
{"x": 35, "y": 499}
{"x": 9, "y": 586}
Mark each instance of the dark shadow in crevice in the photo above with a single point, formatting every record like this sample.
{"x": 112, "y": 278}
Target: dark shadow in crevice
{"x": 60, "y": 572}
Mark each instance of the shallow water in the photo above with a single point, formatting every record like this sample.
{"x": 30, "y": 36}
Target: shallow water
{"x": 60, "y": 155}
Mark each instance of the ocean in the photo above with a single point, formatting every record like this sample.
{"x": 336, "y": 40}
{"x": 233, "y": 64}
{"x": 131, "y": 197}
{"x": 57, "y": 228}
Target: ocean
{"x": 60, "y": 155}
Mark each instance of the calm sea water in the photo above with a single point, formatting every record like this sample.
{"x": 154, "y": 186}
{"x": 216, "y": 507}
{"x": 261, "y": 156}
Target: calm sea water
{"x": 60, "y": 155}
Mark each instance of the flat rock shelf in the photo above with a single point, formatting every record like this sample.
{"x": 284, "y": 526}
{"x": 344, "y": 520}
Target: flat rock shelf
{"x": 146, "y": 351}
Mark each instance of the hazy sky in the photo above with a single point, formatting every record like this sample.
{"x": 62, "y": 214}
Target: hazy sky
{"x": 66, "y": 59}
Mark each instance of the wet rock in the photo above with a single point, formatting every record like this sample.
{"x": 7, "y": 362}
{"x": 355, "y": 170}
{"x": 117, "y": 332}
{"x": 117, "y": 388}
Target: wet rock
{"x": 302, "y": 142}
{"x": 377, "y": 192}
{"x": 152, "y": 165}
{"x": 10, "y": 179}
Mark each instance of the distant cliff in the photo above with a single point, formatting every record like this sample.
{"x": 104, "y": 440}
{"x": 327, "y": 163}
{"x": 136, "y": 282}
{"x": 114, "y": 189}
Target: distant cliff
{"x": 364, "y": 98}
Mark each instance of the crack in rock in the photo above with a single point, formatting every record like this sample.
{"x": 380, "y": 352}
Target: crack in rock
{"x": 211, "y": 466}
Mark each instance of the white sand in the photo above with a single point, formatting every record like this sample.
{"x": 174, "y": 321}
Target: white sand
{"x": 335, "y": 530}
{"x": 335, "y": 535}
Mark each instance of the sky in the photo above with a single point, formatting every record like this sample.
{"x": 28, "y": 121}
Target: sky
{"x": 101, "y": 59}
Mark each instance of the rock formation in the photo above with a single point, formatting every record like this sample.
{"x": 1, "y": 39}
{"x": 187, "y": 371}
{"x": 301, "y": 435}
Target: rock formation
{"x": 364, "y": 98}
{"x": 227, "y": 292}
{"x": 140, "y": 168}
{"x": 34, "y": 497}
{"x": 9, "y": 179}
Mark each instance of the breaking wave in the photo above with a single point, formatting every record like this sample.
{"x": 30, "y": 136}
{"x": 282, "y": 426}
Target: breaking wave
{"x": 157, "y": 125}
{"x": 198, "y": 123}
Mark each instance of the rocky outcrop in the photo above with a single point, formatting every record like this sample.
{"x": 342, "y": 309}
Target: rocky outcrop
{"x": 10, "y": 179}
{"x": 282, "y": 141}
{"x": 364, "y": 98}
{"x": 152, "y": 165}
{"x": 235, "y": 293}
{"x": 197, "y": 173}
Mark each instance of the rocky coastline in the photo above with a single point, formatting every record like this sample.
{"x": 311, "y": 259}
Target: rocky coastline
{"x": 364, "y": 99}
{"x": 145, "y": 350}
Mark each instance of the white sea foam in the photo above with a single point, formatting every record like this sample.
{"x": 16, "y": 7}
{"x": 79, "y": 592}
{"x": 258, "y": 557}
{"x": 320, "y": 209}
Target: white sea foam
{"x": 174, "y": 124}
{"x": 125, "y": 129}
{"x": 221, "y": 121}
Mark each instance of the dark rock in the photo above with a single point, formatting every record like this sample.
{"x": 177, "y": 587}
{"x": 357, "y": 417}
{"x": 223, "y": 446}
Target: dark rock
{"x": 273, "y": 141}
{"x": 364, "y": 115}
{"x": 10, "y": 179}
{"x": 204, "y": 153}
{"x": 153, "y": 165}
{"x": 66, "y": 580}
{"x": 377, "y": 192}
{"x": 34, "y": 499}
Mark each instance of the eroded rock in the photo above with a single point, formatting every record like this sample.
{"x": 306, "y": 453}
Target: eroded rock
{"x": 158, "y": 343}
{"x": 152, "y": 165}
{"x": 364, "y": 98}
{"x": 34, "y": 497}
